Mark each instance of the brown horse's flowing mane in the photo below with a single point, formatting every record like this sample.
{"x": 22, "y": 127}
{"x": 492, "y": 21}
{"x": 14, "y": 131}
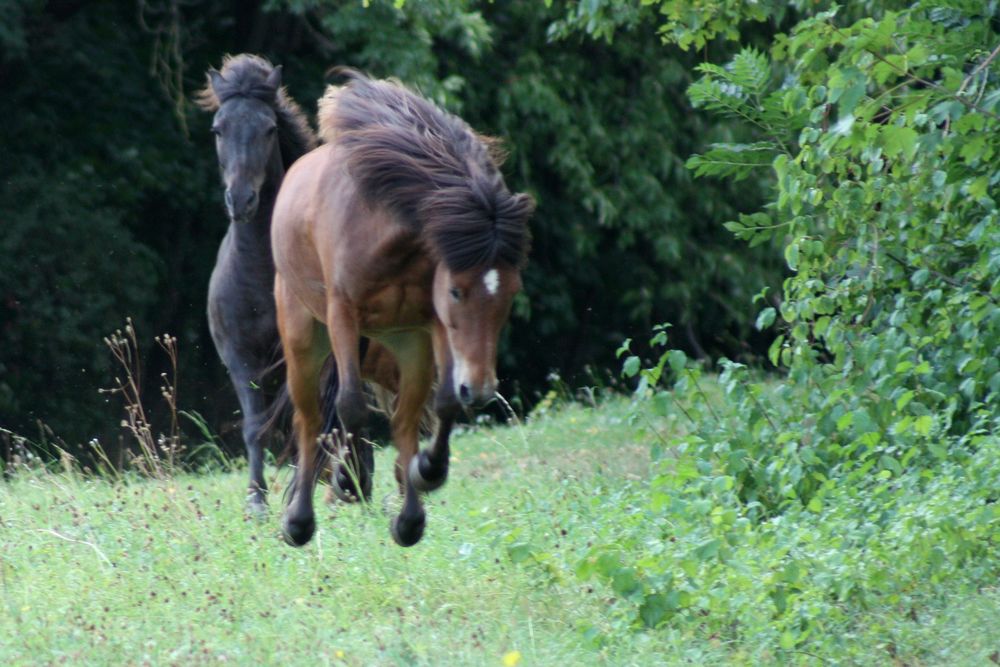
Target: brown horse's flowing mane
{"x": 430, "y": 169}
{"x": 245, "y": 75}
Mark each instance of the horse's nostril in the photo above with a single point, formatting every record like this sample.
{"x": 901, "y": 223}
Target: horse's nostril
{"x": 464, "y": 394}
{"x": 240, "y": 202}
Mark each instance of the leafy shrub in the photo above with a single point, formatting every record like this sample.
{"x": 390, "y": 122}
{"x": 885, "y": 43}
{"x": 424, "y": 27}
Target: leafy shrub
{"x": 865, "y": 478}
{"x": 881, "y": 135}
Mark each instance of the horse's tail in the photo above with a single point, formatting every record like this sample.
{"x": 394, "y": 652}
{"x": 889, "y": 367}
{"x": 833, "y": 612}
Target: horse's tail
{"x": 280, "y": 410}
{"x": 384, "y": 401}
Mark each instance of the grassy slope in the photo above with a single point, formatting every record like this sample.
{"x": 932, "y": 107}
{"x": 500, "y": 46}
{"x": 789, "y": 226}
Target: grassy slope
{"x": 170, "y": 572}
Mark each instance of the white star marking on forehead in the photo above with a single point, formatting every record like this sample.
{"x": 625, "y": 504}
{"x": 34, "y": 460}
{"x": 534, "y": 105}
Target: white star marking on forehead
{"x": 492, "y": 281}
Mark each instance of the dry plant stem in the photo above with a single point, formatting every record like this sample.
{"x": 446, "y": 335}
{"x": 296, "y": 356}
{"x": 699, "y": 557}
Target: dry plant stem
{"x": 170, "y": 444}
{"x": 124, "y": 347}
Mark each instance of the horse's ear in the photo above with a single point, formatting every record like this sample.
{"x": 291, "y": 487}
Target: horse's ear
{"x": 216, "y": 79}
{"x": 274, "y": 78}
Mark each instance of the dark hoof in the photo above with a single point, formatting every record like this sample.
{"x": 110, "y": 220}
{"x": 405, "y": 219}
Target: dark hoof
{"x": 298, "y": 532}
{"x": 345, "y": 489}
{"x": 407, "y": 531}
{"x": 256, "y": 510}
{"x": 256, "y": 507}
{"x": 422, "y": 478}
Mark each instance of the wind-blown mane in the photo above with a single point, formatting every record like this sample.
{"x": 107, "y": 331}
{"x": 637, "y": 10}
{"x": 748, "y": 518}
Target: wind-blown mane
{"x": 430, "y": 169}
{"x": 246, "y": 76}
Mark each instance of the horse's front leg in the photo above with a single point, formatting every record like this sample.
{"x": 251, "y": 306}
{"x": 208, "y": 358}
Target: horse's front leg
{"x": 304, "y": 350}
{"x": 416, "y": 375}
{"x": 352, "y": 478}
{"x": 253, "y": 404}
{"x": 428, "y": 470}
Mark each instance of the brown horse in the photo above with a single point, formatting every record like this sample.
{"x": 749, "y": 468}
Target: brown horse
{"x": 259, "y": 132}
{"x": 401, "y": 229}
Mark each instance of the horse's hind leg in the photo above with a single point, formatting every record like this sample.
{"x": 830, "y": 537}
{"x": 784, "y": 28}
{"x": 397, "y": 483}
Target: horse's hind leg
{"x": 416, "y": 366}
{"x": 304, "y": 349}
{"x": 351, "y": 404}
{"x": 351, "y": 478}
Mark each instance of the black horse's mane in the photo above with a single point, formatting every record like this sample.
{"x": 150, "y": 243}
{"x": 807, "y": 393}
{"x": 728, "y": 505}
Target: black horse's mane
{"x": 245, "y": 76}
{"x": 431, "y": 169}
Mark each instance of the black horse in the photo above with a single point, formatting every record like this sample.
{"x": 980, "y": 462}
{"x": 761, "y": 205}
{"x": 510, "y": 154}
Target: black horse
{"x": 259, "y": 132}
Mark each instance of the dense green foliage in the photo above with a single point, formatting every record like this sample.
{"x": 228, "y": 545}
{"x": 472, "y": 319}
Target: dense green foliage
{"x": 112, "y": 207}
{"x": 869, "y": 473}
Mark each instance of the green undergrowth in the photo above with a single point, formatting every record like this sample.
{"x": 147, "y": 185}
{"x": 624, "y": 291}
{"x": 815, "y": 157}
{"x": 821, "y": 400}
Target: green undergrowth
{"x": 562, "y": 541}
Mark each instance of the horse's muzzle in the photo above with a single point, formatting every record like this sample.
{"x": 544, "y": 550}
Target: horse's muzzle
{"x": 476, "y": 398}
{"x": 241, "y": 204}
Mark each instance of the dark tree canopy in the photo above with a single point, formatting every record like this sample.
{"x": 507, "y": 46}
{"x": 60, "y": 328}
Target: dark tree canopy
{"x": 112, "y": 207}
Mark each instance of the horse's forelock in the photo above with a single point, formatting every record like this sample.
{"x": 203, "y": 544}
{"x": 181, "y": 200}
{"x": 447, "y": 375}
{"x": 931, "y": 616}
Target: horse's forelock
{"x": 247, "y": 76}
{"x": 243, "y": 75}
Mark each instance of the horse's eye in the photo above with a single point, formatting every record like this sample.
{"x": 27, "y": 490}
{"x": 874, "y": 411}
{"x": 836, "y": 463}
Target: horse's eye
{"x": 271, "y": 130}
{"x": 456, "y": 294}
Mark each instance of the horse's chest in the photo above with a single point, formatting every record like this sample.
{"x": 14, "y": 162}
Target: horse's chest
{"x": 396, "y": 307}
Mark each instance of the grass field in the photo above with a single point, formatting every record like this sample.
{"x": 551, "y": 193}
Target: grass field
{"x": 170, "y": 572}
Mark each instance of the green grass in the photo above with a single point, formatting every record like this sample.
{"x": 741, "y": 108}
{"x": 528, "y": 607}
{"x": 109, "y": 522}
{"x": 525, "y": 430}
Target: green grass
{"x": 93, "y": 572}
{"x": 170, "y": 572}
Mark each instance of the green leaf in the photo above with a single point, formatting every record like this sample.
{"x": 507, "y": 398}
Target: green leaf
{"x": 977, "y": 189}
{"x": 845, "y": 421}
{"x": 519, "y": 552}
{"x": 899, "y": 141}
{"x": 905, "y": 399}
{"x": 792, "y": 255}
{"x": 677, "y": 360}
{"x": 631, "y": 366}
{"x": 766, "y": 318}
{"x": 654, "y": 609}
{"x": 736, "y": 161}
{"x": 847, "y": 87}
{"x": 775, "y": 350}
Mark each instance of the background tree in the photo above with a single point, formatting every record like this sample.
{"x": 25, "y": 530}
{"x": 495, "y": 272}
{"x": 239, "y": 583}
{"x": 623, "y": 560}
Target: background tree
{"x": 113, "y": 209}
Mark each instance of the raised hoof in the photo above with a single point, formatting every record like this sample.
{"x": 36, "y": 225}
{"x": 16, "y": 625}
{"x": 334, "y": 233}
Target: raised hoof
{"x": 422, "y": 483}
{"x": 345, "y": 490}
{"x": 299, "y": 532}
{"x": 407, "y": 532}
